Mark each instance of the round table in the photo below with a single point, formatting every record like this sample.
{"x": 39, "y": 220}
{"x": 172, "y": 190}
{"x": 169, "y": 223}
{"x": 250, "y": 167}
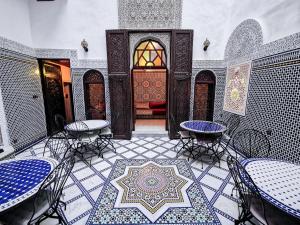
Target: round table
{"x": 208, "y": 134}
{"x": 277, "y": 181}
{"x": 92, "y": 125}
{"x": 203, "y": 127}
{"x": 21, "y": 178}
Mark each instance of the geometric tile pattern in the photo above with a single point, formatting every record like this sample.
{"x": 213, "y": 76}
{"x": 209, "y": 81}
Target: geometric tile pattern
{"x": 83, "y": 187}
{"x": 22, "y": 98}
{"x": 246, "y": 38}
{"x": 150, "y": 14}
{"x": 152, "y": 187}
{"x": 274, "y": 102}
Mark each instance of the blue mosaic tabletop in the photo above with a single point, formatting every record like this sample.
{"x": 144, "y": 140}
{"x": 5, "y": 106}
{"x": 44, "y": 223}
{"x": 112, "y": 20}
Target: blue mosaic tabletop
{"x": 21, "y": 178}
{"x": 278, "y": 182}
{"x": 205, "y": 127}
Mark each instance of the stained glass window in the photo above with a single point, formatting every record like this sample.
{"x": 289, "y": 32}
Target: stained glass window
{"x": 149, "y": 54}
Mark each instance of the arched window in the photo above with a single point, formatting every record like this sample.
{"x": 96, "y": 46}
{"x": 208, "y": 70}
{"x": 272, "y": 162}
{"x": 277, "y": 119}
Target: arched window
{"x": 204, "y": 95}
{"x": 149, "y": 54}
{"x": 94, "y": 95}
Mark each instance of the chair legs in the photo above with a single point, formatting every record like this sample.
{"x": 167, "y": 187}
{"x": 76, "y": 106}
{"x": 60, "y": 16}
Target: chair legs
{"x": 185, "y": 146}
{"x": 103, "y": 142}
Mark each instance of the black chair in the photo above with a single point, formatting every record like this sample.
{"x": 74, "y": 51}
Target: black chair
{"x": 104, "y": 140}
{"x": 251, "y": 201}
{"x": 46, "y": 202}
{"x": 84, "y": 143}
{"x": 60, "y": 122}
{"x": 185, "y": 142}
{"x": 58, "y": 146}
{"x": 251, "y": 143}
{"x": 232, "y": 124}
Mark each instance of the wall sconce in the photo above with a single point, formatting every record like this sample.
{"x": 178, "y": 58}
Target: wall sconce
{"x": 85, "y": 45}
{"x": 206, "y": 43}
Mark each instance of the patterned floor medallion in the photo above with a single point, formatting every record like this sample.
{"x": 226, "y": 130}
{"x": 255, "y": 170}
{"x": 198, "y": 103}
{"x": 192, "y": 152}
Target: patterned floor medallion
{"x": 152, "y": 192}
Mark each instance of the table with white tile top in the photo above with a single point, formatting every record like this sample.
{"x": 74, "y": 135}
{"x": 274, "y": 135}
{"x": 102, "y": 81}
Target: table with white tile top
{"x": 278, "y": 182}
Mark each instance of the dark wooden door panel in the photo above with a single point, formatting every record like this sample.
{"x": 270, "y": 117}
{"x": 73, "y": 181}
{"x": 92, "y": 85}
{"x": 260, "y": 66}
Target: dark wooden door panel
{"x": 119, "y": 83}
{"x": 180, "y": 79}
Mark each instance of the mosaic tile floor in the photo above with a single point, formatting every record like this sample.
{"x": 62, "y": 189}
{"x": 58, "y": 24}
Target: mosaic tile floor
{"x": 85, "y": 183}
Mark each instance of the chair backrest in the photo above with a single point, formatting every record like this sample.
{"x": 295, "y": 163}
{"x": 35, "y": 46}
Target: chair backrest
{"x": 76, "y": 129}
{"x": 53, "y": 185}
{"x": 58, "y": 146}
{"x": 60, "y": 121}
{"x": 248, "y": 192}
{"x": 232, "y": 124}
{"x": 251, "y": 143}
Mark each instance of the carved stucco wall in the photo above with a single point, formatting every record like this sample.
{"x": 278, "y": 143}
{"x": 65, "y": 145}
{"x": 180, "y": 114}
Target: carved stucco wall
{"x": 245, "y": 39}
{"x": 162, "y": 38}
{"x": 143, "y": 14}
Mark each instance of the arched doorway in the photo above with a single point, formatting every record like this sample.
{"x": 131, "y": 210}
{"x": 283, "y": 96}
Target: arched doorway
{"x": 204, "y": 95}
{"x": 94, "y": 95}
{"x": 149, "y": 78}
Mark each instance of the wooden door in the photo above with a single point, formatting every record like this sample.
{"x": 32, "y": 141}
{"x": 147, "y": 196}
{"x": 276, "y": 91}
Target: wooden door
{"x": 53, "y": 94}
{"x": 204, "y": 96}
{"x": 180, "y": 79}
{"x": 119, "y": 83}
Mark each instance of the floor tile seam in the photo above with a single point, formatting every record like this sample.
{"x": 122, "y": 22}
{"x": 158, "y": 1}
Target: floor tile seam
{"x": 82, "y": 189}
{"x": 73, "y": 199}
{"x": 96, "y": 187}
{"x": 223, "y": 214}
{"x": 220, "y": 190}
{"x": 80, "y": 216}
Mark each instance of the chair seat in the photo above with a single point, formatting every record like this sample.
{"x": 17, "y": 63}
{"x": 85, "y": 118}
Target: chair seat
{"x": 22, "y": 213}
{"x": 274, "y": 216}
{"x": 184, "y": 134}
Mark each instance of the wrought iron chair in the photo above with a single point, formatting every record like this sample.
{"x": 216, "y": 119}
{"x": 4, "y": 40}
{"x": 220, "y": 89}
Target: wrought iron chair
{"x": 46, "y": 202}
{"x": 251, "y": 143}
{"x": 185, "y": 143}
{"x": 232, "y": 124}
{"x": 58, "y": 146}
{"x": 251, "y": 201}
{"x": 104, "y": 140}
{"x": 84, "y": 140}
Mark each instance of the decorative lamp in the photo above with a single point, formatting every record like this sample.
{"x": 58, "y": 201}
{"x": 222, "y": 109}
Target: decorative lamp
{"x": 85, "y": 45}
{"x": 206, "y": 43}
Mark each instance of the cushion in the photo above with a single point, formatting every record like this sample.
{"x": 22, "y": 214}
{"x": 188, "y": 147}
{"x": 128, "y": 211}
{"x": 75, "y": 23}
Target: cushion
{"x": 157, "y": 105}
{"x": 142, "y": 105}
{"x": 159, "y": 111}
{"x": 143, "y": 112}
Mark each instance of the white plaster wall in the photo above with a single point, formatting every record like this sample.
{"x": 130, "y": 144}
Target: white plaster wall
{"x": 278, "y": 18}
{"x": 62, "y": 24}
{"x": 208, "y": 19}
{"x": 15, "y": 21}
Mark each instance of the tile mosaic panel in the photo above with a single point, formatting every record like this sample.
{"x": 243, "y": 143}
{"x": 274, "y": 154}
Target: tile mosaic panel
{"x": 236, "y": 89}
{"x": 22, "y": 97}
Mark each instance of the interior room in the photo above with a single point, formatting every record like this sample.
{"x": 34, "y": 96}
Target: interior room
{"x": 142, "y": 112}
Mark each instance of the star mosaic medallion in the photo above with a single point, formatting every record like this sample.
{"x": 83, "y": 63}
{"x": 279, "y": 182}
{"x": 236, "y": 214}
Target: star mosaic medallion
{"x": 152, "y": 188}
{"x": 160, "y": 191}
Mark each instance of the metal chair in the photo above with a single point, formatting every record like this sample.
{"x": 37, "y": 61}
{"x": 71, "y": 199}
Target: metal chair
{"x": 186, "y": 140}
{"x": 251, "y": 201}
{"x": 58, "y": 146}
{"x": 46, "y": 202}
{"x": 105, "y": 139}
{"x": 84, "y": 140}
{"x": 251, "y": 143}
{"x": 232, "y": 124}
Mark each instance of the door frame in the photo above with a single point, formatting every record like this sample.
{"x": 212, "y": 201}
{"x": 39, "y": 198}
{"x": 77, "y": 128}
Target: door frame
{"x": 41, "y": 62}
{"x": 122, "y": 74}
{"x": 205, "y": 81}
